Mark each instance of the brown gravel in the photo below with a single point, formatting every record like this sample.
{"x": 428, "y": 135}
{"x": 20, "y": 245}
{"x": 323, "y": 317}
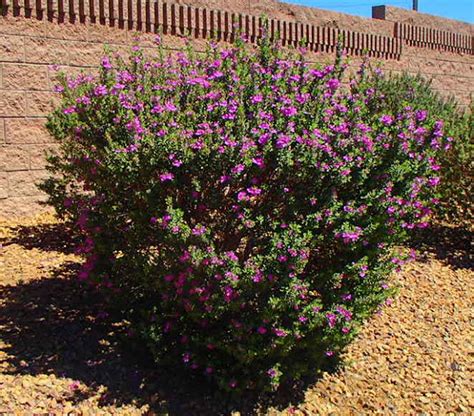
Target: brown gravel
{"x": 61, "y": 353}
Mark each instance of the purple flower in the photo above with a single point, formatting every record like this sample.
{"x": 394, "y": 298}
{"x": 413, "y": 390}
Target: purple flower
{"x": 170, "y": 106}
{"x": 292, "y": 252}
{"x": 280, "y": 332}
{"x": 167, "y": 176}
{"x": 344, "y": 312}
{"x": 186, "y": 357}
{"x": 346, "y": 297}
{"x": 350, "y": 236}
{"x": 238, "y": 169}
{"x": 69, "y": 110}
{"x": 386, "y": 119}
{"x": 316, "y": 73}
{"x": 125, "y": 77}
{"x": 199, "y": 230}
{"x": 228, "y": 293}
{"x": 261, "y": 330}
{"x": 257, "y": 277}
{"x": 421, "y": 115}
{"x": 175, "y": 229}
{"x": 283, "y": 141}
{"x": 331, "y": 319}
{"x": 259, "y": 162}
{"x": 216, "y": 75}
{"x": 177, "y": 163}
{"x": 242, "y": 196}
{"x": 333, "y": 84}
{"x": 83, "y": 100}
{"x": 199, "y": 81}
{"x": 231, "y": 276}
{"x": 100, "y": 90}
{"x": 289, "y": 111}
{"x": 254, "y": 191}
{"x": 258, "y": 98}
{"x": 75, "y": 385}
{"x": 58, "y": 88}
{"x": 434, "y": 181}
{"x": 272, "y": 373}
{"x": 135, "y": 125}
{"x": 232, "y": 256}
{"x": 106, "y": 63}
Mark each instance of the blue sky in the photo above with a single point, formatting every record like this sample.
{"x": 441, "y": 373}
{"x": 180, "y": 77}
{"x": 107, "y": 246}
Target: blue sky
{"x": 454, "y": 9}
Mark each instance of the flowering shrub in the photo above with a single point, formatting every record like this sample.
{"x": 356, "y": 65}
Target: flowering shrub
{"x": 456, "y": 189}
{"x": 246, "y": 204}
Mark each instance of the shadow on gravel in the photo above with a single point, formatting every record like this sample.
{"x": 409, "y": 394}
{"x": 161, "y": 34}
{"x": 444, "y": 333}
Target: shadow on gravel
{"x": 46, "y": 237}
{"x": 453, "y": 245}
{"x": 57, "y": 325}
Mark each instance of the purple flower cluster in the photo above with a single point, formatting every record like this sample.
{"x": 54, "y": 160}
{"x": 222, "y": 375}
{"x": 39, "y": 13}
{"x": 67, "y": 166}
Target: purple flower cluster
{"x": 250, "y": 202}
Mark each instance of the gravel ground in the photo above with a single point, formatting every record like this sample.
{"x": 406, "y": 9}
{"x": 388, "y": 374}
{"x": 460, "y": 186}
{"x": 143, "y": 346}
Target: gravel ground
{"x": 62, "y": 353}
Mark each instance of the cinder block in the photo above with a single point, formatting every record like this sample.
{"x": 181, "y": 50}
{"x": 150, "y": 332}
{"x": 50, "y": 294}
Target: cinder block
{"x": 25, "y": 77}
{"x": 26, "y": 130}
{"x": 12, "y": 103}
{"x": 46, "y": 51}
{"x": 12, "y": 48}
{"x": 66, "y": 30}
{"x": 40, "y": 103}
{"x": 14, "y": 158}
{"x": 24, "y": 183}
{"x": 2, "y": 131}
{"x": 3, "y": 186}
{"x": 38, "y": 155}
{"x": 18, "y": 25}
{"x": 107, "y": 35}
{"x": 21, "y": 206}
{"x": 85, "y": 53}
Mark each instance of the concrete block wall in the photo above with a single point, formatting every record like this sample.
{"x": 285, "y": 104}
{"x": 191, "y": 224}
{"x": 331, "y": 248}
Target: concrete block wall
{"x": 38, "y": 37}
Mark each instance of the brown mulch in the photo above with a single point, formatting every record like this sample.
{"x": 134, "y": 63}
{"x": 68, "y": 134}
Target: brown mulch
{"x": 61, "y": 352}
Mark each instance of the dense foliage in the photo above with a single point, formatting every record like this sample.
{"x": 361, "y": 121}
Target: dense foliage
{"x": 246, "y": 204}
{"x": 456, "y": 190}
